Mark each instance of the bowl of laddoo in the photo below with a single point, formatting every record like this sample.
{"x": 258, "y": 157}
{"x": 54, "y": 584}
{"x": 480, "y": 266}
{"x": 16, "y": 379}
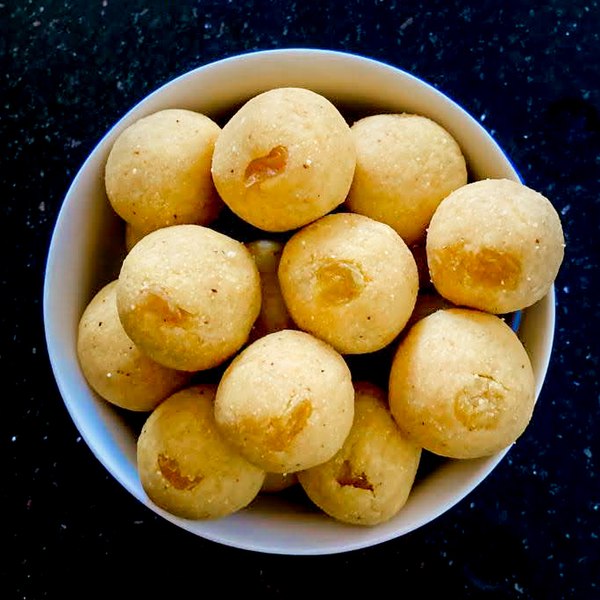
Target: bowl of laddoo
{"x": 300, "y": 302}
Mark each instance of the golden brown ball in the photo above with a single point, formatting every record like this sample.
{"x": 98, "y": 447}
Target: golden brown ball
{"x": 188, "y": 296}
{"x": 284, "y": 159}
{"x": 158, "y": 171}
{"x": 184, "y": 464}
{"x": 461, "y": 384}
{"x": 350, "y": 281}
{"x": 405, "y": 165}
{"x": 113, "y": 365}
{"x": 369, "y": 480}
{"x": 495, "y": 245}
{"x": 286, "y": 402}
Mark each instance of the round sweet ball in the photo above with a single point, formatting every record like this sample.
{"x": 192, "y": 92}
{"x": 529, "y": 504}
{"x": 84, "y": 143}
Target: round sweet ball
{"x": 274, "y": 315}
{"x": 405, "y": 165}
{"x": 113, "y": 365}
{"x": 461, "y": 384}
{"x": 369, "y": 480}
{"x": 350, "y": 281}
{"x": 284, "y": 159}
{"x": 286, "y": 402}
{"x": 495, "y": 245}
{"x": 158, "y": 171}
{"x": 188, "y": 296}
{"x": 277, "y": 482}
{"x": 184, "y": 464}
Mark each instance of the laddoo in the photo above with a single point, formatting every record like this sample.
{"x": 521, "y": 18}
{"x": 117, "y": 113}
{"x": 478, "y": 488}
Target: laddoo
{"x": 350, "y": 281}
{"x": 158, "y": 171}
{"x": 286, "y": 402}
{"x": 284, "y": 159}
{"x": 184, "y": 464}
{"x": 188, "y": 296}
{"x": 495, "y": 245}
{"x": 273, "y": 315}
{"x": 461, "y": 384}
{"x": 113, "y": 365}
{"x": 370, "y": 478}
{"x": 406, "y": 164}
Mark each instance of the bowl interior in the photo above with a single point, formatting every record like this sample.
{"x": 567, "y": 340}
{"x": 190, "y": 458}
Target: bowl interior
{"x": 87, "y": 247}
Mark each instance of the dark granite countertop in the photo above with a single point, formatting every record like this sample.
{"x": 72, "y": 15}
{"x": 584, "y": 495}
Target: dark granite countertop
{"x": 527, "y": 70}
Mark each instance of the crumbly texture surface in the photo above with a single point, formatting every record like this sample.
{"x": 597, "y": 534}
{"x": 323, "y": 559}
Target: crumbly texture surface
{"x": 369, "y": 480}
{"x": 461, "y": 384}
{"x": 158, "y": 171}
{"x": 286, "y": 402}
{"x": 405, "y": 165}
{"x": 350, "y": 281}
{"x": 188, "y": 296}
{"x": 113, "y": 364}
{"x": 286, "y": 158}
{"x": 184, "y": 464}
{"x": 274, "y": 315}
{"x": 495, "y": 245}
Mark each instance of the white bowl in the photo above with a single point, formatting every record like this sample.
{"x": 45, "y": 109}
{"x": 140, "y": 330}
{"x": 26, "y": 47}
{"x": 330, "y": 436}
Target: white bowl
{"x": 85, "y": 253}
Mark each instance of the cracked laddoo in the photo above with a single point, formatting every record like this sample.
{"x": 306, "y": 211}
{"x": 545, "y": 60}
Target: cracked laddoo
{"x": 370, "y": 478}
{"x": 461, "y": 384}
{"x": 286, "y": 402}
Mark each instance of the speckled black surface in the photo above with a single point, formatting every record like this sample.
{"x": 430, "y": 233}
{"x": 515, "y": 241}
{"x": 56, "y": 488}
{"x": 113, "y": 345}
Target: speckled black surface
{"x": 527, "y": 70}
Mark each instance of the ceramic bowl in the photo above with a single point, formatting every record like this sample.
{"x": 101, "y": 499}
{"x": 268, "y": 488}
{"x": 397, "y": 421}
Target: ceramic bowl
{"x": 87, "y": 246}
